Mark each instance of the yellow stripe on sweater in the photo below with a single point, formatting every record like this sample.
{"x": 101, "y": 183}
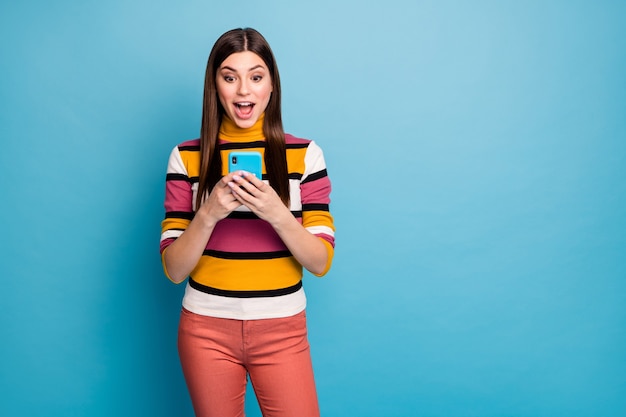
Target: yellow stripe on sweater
{"x": 247, "y": 275}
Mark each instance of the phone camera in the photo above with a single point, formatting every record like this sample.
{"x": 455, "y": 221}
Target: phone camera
{"x": 234, "y": 159}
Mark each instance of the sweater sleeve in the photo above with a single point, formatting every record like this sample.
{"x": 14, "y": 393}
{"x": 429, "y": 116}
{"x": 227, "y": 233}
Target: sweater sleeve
{"x": 315, "y": 189}
{"x": 178, "y": 201}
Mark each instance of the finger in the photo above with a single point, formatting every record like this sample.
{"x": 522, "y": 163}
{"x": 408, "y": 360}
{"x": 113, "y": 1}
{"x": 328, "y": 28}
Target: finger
{"x": 226, "y": 179}
{"x": 240, "y": 194}
{"x": 253, "y": 179}
{"x": 245, "y": 184}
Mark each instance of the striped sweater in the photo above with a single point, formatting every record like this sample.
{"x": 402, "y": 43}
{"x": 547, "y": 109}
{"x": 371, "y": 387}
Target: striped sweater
{"x": 246, "y": 271}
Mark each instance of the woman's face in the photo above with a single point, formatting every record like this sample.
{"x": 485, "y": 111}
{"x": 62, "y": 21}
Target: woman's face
{"x": 244, "y": 87}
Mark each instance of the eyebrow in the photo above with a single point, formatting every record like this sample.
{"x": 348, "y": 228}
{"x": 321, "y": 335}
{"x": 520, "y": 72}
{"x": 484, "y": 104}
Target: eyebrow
{"x": 234, "y": 70}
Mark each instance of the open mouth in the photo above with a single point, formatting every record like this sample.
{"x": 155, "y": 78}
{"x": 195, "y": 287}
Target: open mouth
{"x": 244, "y": 109}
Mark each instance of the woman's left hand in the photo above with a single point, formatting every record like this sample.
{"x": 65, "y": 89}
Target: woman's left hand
{"x": 258, "y": 196}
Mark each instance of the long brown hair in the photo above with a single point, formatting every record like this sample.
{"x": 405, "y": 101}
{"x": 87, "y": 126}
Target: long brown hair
{"x": 233, "y": 41}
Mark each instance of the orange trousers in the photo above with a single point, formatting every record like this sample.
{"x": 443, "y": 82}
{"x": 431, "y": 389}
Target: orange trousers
{"x": 217, "y": 355}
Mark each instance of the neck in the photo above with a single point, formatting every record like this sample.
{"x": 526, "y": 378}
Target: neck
{"x": 229, "y": 131}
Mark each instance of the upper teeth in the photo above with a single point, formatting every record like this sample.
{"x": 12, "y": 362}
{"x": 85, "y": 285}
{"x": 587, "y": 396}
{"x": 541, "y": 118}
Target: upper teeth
{"x": 244, "y": 104}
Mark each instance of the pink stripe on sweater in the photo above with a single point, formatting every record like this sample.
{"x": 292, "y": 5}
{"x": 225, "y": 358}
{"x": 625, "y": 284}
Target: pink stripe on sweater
{"x": 237, "y": 235}
{"x": 316, "y": 192}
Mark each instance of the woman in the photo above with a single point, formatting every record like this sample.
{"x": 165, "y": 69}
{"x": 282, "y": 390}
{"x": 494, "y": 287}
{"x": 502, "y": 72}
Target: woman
{"x": 243, "y": 241}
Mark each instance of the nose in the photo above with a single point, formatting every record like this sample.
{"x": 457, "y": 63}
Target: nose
{"x": 243, "y": 87}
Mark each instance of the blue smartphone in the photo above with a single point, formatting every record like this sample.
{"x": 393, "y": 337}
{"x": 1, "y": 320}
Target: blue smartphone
{"x": 246, "y": 161}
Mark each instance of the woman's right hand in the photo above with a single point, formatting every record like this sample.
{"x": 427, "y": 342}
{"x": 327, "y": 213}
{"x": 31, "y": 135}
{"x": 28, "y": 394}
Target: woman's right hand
{"x": 220, "y": 202}
{"x": 182, "y": 255}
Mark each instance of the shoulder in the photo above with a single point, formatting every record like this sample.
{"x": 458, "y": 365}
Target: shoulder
{"x": 310, "y": 147}
{"x": 293, "y": 141}
{"x": 185, "y": 157}
{"x": 186, "y": 148}
{"x": 189, "y": 145}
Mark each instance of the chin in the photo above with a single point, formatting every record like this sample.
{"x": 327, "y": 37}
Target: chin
{"x": 244, "y": 124}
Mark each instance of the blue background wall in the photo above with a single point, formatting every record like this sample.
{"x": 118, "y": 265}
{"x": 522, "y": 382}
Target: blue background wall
{"x": 478, "y": 155}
